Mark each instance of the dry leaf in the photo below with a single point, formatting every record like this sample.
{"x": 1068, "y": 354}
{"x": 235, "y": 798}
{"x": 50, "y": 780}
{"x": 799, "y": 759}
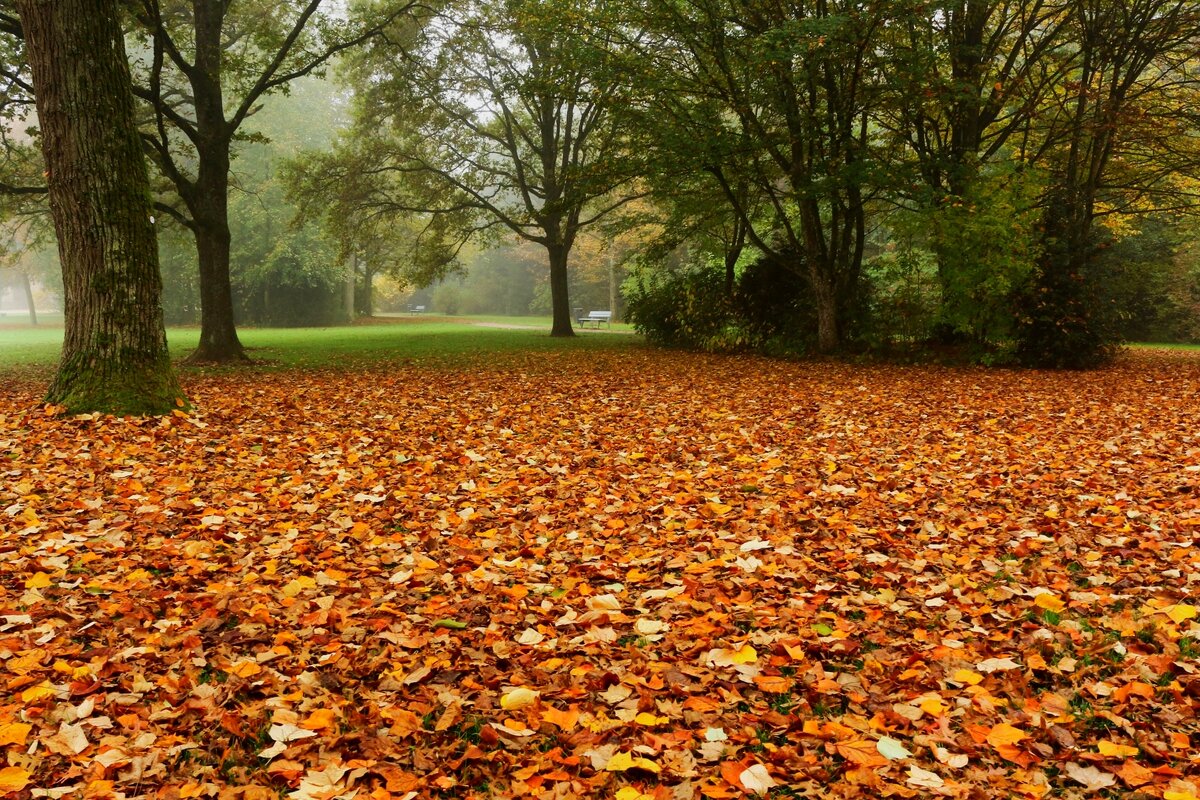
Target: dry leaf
{"x": 756, "y": 779}
{"x": 1092, "y": 778}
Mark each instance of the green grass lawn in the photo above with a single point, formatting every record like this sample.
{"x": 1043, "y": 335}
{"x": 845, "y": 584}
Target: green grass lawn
{"x": 1155, "y": 346}
{"x": 349, "y": 346}
{"x": 540, "y": 322}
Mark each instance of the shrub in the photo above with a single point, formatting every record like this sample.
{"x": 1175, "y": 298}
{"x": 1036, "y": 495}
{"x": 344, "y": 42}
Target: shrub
{"x": 774, "y": 304}
{"x": 903, "y": 300}
{"x": 1064, "y": 319}
{"x": 682, "y": 308}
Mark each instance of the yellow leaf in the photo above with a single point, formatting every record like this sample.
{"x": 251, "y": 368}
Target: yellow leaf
{"x": 718, "y": 509}
{"x": 14, "y": 733}
{"x": 39, "y": 580}
{"x": 623, "y": 761}
{"x": 298, "y": 585}
{"x": 1108, "y": 748}
{"x": 1049, "y": 602}
{"x": 1004, "y": 734}
{"x": 744, "y": 655}
{"x": 13, "y": 779}
{"x": 967, "y": 676}
{"x": 98, "y": 789}
{"x": 619, "y": 762}
{"x": 630, "y": 793}
{"x": 35, "y": 693}
{"x": 932, "y": 705}
{"x": 1179, "y": 613}
{"x": 1171, "y": 794}
{"x": 650, "y": 720}
{"x": 518, "y": 698}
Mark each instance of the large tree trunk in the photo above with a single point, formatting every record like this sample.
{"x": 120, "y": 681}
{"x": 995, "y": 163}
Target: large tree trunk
{"x": 826, "y": 301}
{"x": 560, "y": 299}
{"x": 114, "y": 355}
{"x": 29, "y": 298}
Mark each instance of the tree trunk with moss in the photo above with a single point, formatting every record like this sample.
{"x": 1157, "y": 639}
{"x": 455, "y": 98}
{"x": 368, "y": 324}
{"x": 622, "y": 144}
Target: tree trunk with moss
{"x": 114, "y": 355}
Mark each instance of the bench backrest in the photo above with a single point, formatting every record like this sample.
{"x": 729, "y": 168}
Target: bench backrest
{"x": 600, "y": 315}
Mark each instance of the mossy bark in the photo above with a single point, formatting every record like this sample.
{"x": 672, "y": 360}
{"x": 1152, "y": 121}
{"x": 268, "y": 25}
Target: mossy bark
{"x": 114, "y": 355}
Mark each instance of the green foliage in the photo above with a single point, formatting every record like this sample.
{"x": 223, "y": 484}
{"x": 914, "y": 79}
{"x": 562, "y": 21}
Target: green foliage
{"x": 1155, "y": 282}
{"x": 448, "y": 297}
{"x": 282, "y": 273}
{"x": 682, "y": 308}
{"x": 904, "y": 300}
{"x": 181, "y": 280}
{"x": 985, "y": 243}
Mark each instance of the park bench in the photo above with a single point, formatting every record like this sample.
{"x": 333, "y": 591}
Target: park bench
{"x": 416, "y": 309}
{"x": 596, "y": 317}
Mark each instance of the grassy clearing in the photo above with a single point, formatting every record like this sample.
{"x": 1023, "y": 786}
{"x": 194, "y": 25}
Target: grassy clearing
{"x": 1159, "y": 346}
{"x": 426, "y": 338}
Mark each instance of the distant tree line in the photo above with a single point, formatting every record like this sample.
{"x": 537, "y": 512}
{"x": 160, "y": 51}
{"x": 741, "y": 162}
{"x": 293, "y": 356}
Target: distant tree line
{"x": 1011, "y": 177}
{"x": 960, "y": 172}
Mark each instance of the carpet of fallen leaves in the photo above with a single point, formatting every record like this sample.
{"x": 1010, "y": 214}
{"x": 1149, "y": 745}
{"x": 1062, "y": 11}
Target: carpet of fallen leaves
{"x": 624, "y": 574}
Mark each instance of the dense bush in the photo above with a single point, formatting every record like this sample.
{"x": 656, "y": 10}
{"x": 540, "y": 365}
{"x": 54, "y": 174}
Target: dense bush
{"x": 682, "y": 308}
{"x": 290, "y": 301}
{"x": 902, "y": 301}
{"x": 774, "y": 304}
{"x": 1064, "y": 318}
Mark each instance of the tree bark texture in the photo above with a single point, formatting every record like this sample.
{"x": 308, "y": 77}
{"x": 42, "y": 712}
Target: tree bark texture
{"x": 208, "y": 198}
{"x": 218, "y": 335}
{"x": 114, "y": 355}
{"x": 560, "y": 300}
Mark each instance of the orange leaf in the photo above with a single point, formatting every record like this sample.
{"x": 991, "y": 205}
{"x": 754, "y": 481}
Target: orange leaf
{"x": 566, "y": 720}
{"x": 245, "y": 669}
{"x": 14, "y": 733}
{"x": 773, "y": 684}
{"x": 731, "y": 771}
{"x": 860, "y": 752}
{"x": 1049, "y": 602}
{"x": 322, "y": 718}
{"x": 1134, "y": 774}
{"x": 1111, "y": 749}
{"x": 1134, "y": 687}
